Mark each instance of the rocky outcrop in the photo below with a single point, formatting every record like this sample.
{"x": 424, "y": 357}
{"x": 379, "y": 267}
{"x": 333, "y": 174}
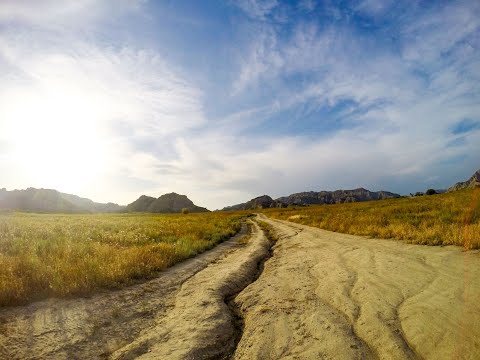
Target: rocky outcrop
{"x": 335, "y": 197}
{"x": 141, "y": 204}
{"x": 167, "y": 203}
{"x": 471, "y": 183}
{"x": 313, "y": 198}
{"x": 260, "y": 202}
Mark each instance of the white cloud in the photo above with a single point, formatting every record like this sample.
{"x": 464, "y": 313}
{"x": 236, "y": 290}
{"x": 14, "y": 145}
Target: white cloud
{"x": 137, "y": 122}
{"x": 373, "y": 7}
{"x": 74, "y": 114}
{"x": 65, "y": 13}
{"x": 308, "y": 5}
{"x": 433, "y": 35}
{"x": 401, "y": 117}
{"x": 257, "y": 9}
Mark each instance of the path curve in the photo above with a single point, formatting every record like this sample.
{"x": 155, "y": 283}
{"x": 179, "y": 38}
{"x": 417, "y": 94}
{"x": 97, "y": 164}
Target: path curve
{"x": 326, "y": 295}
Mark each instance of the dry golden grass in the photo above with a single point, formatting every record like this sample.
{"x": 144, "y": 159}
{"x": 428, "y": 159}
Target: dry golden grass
{"x": 62, "y": 255}
{"x": 446, "y": 219}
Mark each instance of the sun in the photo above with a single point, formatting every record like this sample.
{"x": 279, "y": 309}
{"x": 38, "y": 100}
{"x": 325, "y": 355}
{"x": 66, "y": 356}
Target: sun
{"x": 55, "y": 137}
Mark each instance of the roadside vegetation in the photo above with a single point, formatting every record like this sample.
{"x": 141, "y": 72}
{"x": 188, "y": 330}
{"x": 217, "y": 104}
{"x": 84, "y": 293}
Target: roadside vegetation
{"x": 444, "y": 219}
{"x": 44, "y": 255}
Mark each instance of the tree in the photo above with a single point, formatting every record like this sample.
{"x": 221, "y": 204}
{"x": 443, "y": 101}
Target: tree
{"x": 431, "y": 192}
{"x": 185, "y": 211}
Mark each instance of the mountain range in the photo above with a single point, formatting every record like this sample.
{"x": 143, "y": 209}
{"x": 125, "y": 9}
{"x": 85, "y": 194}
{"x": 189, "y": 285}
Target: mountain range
{"x": 53, "y": 201}
{"x": 313, "y": 198}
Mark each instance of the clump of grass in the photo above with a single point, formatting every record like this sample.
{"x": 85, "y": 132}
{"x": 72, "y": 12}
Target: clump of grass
{"x": 63, "y": 255}
{"x": 446, "y": 219}
{"x": 268, "y": 230}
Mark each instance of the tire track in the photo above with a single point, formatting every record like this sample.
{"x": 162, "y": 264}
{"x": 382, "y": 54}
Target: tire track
{"x": 201, "y": 324}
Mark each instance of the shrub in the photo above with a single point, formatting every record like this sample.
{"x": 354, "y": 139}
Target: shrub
{"x": 430, "y": 192}
{"x": 185, "y": 211}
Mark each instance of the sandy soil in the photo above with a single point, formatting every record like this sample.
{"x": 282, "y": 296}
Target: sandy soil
{"x": 96, "y": 327}
{"x": 326, "y": 295}
{"x": 321, "y": 295}
{"x": 201, "y": 325}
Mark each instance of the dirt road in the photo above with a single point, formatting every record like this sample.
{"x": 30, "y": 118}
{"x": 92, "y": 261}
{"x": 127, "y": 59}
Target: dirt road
{"x": 188, "y": 299}
{"x": 326, "y": 295}
{"x": 321, "y": 295}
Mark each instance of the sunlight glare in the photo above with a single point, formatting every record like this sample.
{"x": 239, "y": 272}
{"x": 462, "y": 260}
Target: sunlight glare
{"x": 55, "y": 136}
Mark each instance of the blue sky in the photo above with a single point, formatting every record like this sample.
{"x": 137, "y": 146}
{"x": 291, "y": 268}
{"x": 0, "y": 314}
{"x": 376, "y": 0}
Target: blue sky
{"x": 227, "y": 100}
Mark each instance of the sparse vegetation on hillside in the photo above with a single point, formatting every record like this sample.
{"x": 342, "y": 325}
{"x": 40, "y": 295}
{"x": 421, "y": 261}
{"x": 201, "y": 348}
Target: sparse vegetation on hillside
{"x": 445, "y": 219}
{"x": 60, "y": 255}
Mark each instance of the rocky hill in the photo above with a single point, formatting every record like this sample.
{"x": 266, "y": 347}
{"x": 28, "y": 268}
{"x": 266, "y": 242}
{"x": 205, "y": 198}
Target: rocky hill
{"x": 167, "y": 203}
{"x": 141, "y": 204}
{"x": 335, "y": 197}
{"x": 313, "y": 198}
{"x": 473, "y": 182}
{"x": 51, "y": 201}
{"x": 261, "y": 202}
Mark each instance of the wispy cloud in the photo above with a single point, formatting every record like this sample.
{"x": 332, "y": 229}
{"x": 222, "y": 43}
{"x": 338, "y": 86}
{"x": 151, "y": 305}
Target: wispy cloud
{"x": 51, "y": 13}
{"x": 315, "y": 95}
{"x": 107, "y": 101}
{"x": 257, "y": 9}
{"x": 405, "y": 103}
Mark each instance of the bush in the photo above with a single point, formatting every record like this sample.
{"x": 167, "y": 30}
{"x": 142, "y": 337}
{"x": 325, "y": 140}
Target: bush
{"x": 430, "y": 192}
{"x": 185, "y": 211}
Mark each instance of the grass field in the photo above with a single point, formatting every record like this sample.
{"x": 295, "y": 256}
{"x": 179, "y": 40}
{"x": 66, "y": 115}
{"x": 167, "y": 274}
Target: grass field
{"x": 60, "y": 255}
{"x": 446, "y": 219}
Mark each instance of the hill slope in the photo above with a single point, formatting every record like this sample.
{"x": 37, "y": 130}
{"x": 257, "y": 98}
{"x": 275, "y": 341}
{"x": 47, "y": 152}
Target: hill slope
{"x": 167, "y": 203}
{"x": 41, "y": 200}
{"x": 51, "y": 201}
{"x": 473, "y": 182}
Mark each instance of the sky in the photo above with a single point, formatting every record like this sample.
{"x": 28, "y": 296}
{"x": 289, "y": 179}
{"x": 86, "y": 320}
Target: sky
{"x": 226, "y": 100}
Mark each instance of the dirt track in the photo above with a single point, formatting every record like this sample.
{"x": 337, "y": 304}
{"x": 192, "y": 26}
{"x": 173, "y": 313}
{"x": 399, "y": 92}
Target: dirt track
{"x": 322, "y": 295}
{"x": 126, "y": 322}
{"x": 334, "y": 296}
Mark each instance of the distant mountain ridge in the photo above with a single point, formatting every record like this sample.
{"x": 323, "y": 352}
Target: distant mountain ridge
{"x": 336, "y": 197}
{"x": 313, "y": 198}
{"x": 52, "y": 201}
{"x": 167, "y": 203}
{"x": 472, "y": 182}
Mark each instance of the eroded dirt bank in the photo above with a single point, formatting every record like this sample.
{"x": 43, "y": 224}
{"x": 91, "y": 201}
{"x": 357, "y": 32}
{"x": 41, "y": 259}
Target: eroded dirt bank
{"x": 132, "y": 319}
{"x": 200, "y": 325}
{"x": 326, "y": 295}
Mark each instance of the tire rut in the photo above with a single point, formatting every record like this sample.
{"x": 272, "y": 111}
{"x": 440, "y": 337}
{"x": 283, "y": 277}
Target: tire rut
{"x": 203, "y": 322}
